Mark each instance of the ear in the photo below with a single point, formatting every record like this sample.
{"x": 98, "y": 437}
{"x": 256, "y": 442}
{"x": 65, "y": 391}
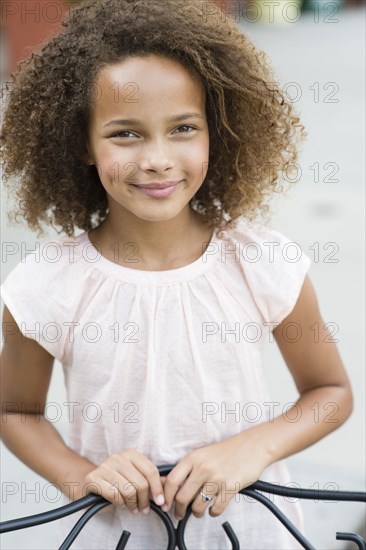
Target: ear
{"x": 87, "y": 157}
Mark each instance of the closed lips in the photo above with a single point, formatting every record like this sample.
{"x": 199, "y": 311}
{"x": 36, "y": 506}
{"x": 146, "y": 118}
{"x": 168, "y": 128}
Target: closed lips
{"x": 157, "y": 185}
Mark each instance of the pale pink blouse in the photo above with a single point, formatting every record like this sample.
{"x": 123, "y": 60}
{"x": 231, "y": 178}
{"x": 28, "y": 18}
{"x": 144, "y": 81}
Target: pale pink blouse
{"x": 156, "y": 360}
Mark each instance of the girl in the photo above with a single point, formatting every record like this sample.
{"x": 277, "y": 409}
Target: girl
{"x": 154, "y": 128}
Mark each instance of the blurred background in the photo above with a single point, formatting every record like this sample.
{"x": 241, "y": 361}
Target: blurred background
{"x": 317, "y": 49}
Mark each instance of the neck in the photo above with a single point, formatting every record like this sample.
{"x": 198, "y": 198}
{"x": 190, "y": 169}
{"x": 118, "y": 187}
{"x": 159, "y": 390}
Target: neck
{"x": 157, "y": 244}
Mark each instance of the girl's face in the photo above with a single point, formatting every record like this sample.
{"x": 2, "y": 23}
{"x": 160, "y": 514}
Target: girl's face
{"x": 148, "y": 125}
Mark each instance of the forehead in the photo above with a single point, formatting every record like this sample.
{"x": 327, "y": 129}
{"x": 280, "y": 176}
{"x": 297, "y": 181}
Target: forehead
{"x": 152, "y": 82}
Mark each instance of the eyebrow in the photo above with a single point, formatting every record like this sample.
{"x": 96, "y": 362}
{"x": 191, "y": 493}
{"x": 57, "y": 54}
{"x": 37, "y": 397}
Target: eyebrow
{"x": 176, "y": 118}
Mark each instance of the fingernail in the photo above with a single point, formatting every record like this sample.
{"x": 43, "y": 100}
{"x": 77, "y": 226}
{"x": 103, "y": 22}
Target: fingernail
{"x": 135, "y": 511}
{"x": 165, "y": 508}
{"x": 160, "y": 500}
{"x": 146, "y": 510}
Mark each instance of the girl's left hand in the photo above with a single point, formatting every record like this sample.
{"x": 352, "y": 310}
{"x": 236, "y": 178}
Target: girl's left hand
{"x": 219, "y": 470}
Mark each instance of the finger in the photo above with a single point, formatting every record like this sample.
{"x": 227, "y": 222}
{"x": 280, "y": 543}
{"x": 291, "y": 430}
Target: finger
{"x": 152, "y": 475}
{"x": 136, "y": 492}
{"x": 163, "y": 480}
{"x": 121, "y": 473}
{"x": 174, "y": 482}
{"x": 123, "y": 487}
{"x": 221, "y": 502}
{"x": 107, "y": 490}
{"x": 139, "y": 495}
{"x": 206, "y": 497}
{"x": 187, "y": 494}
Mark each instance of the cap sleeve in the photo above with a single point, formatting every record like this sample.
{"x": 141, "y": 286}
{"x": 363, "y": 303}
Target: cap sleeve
{"x": 33, "y": 293}
{"x": 275, "y": 268}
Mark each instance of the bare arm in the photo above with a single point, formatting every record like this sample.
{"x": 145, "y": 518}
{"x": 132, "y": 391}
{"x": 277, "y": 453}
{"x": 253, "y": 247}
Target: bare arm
{"x": 125, "y": 478}
{"x": 26, "y": 370}
{"x": 325, "y": 403}
{"x": 325, "y": 400}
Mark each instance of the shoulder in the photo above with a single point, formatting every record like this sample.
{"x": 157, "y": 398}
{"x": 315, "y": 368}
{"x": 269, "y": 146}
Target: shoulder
{"x": 50, "y": 256}
{"x": 48, "y": 269}
{"x": 262, "y": 245}
{"x": 273, "y": 265}
{"x": 43, "y": 290}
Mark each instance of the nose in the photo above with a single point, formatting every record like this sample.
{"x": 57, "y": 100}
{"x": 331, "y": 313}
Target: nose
{"x": 157, "y": 157}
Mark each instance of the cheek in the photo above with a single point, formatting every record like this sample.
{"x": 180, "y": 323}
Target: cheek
{"x": 114, "y": 167}
{"x": 198, "y": 161}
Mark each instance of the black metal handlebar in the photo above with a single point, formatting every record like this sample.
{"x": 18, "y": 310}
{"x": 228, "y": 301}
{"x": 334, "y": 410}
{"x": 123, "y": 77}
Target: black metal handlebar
{"x": 94, "y": 503}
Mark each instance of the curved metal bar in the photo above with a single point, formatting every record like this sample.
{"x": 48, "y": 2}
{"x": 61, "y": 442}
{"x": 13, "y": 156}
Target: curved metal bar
{"x": 312, "y": 494}
{"x": 361, "y": 543}
{"x": 166, "y": 469}
{"x": 281, "y": 517}
{"x": 123, "y": 540}
{"x": 230, "y": 533}
{"x": 176, "y": 536}
{"x": 51, "y": 515}
{"x": 80, "y": 524}
{"x": 180, "y": 529}
{"x": 182, "y": 525}
{"x": 125, "y": 534}
{"x": 167, "y": 522}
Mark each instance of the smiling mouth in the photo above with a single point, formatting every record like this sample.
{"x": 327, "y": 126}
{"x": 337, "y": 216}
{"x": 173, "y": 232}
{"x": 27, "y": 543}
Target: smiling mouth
{"x": 157, "y": 192}
{"x": 157, "y": 184}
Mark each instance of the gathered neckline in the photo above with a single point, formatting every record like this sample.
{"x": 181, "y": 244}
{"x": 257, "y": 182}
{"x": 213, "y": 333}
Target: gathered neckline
{"x": 179, "y": 274}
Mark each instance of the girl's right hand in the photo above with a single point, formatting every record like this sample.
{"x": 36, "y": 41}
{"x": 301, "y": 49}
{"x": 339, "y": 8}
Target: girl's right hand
{"x": 127, "y": 478}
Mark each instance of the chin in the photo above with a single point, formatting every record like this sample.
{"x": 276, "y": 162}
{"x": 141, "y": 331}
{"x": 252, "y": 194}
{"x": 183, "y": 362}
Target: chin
{"x": 159, "y": 215}
{"x": 157, "y": 218}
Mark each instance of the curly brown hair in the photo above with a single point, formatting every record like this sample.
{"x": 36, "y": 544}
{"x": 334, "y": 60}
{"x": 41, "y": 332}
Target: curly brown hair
{"x": 252, "y": 127}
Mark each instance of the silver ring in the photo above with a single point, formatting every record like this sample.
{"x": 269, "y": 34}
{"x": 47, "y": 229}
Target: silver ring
{"x": 206, "y": 497}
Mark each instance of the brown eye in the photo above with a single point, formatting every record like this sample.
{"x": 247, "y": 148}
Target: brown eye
{"x": 120, "y": 134}
{"x": 186, "y": 126}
